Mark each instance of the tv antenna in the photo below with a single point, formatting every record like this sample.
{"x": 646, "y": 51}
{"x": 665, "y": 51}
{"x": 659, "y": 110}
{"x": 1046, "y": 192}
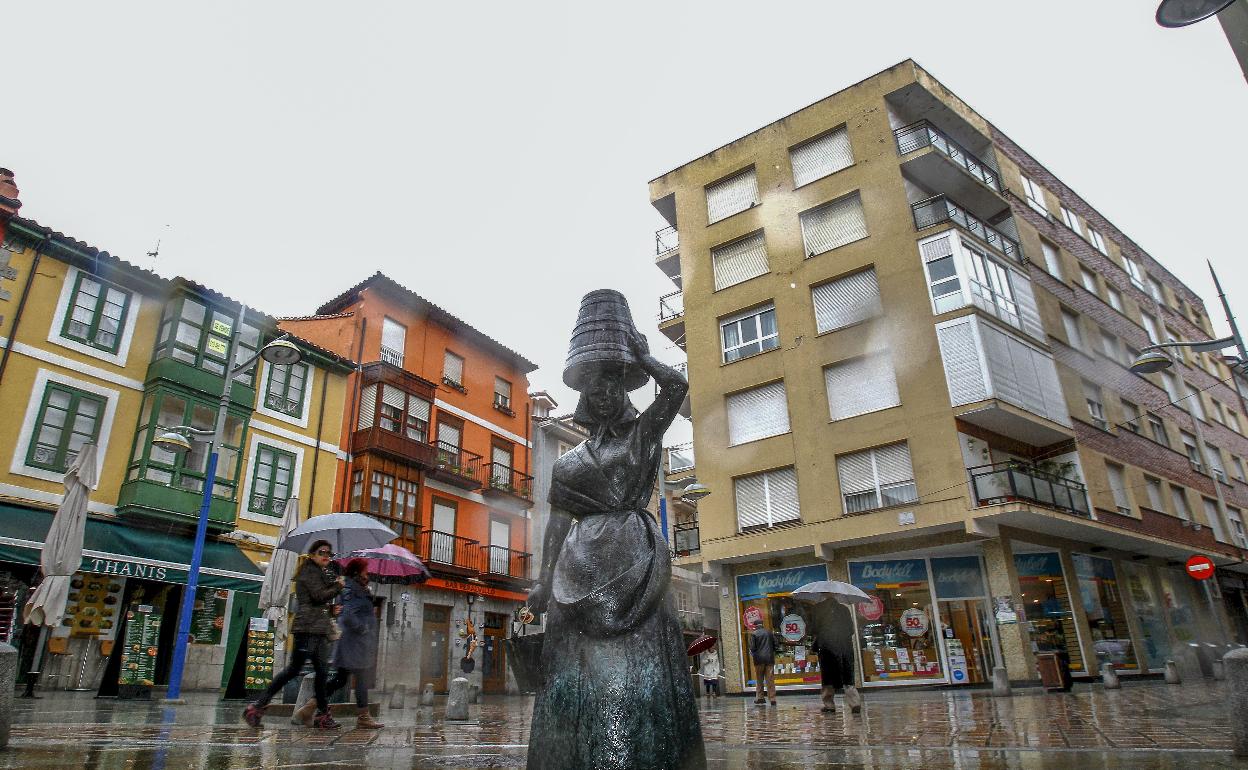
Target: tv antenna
{"x": 155, "y": 252}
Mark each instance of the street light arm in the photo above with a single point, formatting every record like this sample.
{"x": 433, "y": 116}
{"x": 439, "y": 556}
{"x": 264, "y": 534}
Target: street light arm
{"x": 244, "y": 366}
{"x": 1200, "y": 346}
{"x": 186, "y": 429}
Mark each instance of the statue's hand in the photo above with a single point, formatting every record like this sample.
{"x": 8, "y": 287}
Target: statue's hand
{"x": 539, "y": 597}
{"x": 640, "y": 345}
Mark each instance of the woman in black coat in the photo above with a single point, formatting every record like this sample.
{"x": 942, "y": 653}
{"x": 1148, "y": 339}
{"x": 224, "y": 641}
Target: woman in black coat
{"x": 357, "y": 647}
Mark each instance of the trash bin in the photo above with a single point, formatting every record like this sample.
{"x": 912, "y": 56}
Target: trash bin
{"x": 1054, "y": 671}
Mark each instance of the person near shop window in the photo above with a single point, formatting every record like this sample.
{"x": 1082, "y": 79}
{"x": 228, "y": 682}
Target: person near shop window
{"x": 763, "y": 655}
{"x": 711, "y": 670}
{"x": 834, "y": 643}
{"x": 313, "y": 631}
{"x": 357, "y": 646}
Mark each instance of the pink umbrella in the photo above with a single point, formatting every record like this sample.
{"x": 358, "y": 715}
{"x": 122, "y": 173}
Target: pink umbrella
{"x": 390, "y": 564}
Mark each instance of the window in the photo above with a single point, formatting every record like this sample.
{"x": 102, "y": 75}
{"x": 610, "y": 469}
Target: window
{"x": 1134, "y": 272}
{"x": 1118, "y": 486}
{"x": 736, "y": 193}
{"x": 453, "y": 369}
{"x": 1070, "y": 322}
{"x": 1109, "y": 345}
{"x": 1216, "y": 412}
{"x": 397, "y": 411}
{"x": 832, "y": 225}
{"x": 1158, "y": 429}
{"x": 1096, "y": 410}
{"x": 392, "y": 497}
{"x": 68, "y": 419}
{"x": 846, "y": 301}
{"x": 767, "y": 499}
{"x": 1155, "y": 499}
{"x": 821, "y": 156}
{"x": 357, "y": 490}
{"x": 197, "y": 335}
{"x": 1171, "y": 386}
{"x": 1237, "y": 467}
{"x": 1114, "y": 298}
{"x": 1232, "y": 421}
{"x": 990, "y": 285}
{"x": 757, "y": 413}
{"x": 1035, "y": 196}
{"x": 286, "y": 388}
{"x": 1154, "y": 289}
{"x": 1072, "y": 220}
{"x": 1214, "y": 518}
{"x": 163, "y": 407}
{"x": 1087, "y": 279}
{"x": 1052, "y": 259}
{"x": 563, "y": 448}
{"x": 1130, "y": 416}
{"x": 946, "y": 288}
{"x": 271, "y": 481}
{"x": 861, "y": 385}
{"x": 740, "y": 261}
{"x": 1193, "y": 452}
{"x": 97, "y": 313}
{"x": 443, "y": 524}
{"x": 1214, "y": 455}
{"x": 393, "y": 341}
{"x": 1150, "y": 328}
{"x": 449, "y": 434}
{"x": 1194, "y": 405}
{"x": 750, "y": 333}
{"x": 877, "y": 478}
{"x": 502, "y": 394}
{"x": 1236, "y": 517}
{"x": 501, "y": 465}
{"x": 1181, "y": 508}
{"x": 1097, "y": 240}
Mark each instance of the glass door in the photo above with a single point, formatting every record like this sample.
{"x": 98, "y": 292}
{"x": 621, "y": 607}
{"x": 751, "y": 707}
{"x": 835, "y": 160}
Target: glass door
{"x": 968, "y": 643}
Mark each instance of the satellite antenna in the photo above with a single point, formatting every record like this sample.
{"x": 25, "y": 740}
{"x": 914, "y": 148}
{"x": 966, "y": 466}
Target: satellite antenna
{"x": 1180, "y": 13}
{"x": 154, "y": 253}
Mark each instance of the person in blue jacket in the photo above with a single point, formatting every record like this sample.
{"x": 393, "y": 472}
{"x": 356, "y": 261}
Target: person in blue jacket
{"x": 357, "y": 647}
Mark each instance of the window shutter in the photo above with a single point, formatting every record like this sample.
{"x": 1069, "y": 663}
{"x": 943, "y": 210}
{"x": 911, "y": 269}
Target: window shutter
{"x": 448, "y": 434}
{"x": 833, "y": 225}
{"x": 737, "y": 193}
{"x": 751, "y": 501}
{"x": 740, "y": 261}
{"x": 856, "y": 473}
{"x": 1118, "y": 486}
{"x": 502, "y": 388}
{"x": 757, "y": 413}
{"x": 861, "y": 385}
{"x": 368, "y": 407}
{"x": 393, "y": 335}
{"x": 893, "y": 464}
{"x": 453, "y": 367}
{"x": 392, "y": 396}
{"x": 963, "y": 369}
{"x": 820, "y": 157}
{"x": 500, "y": 456}
{"x": 1028, "y": 312}
{"x": 846, "y": 300}
{"x": 443, "y": 518}
{"x": 418, "y": 408}
{"x": 782, "y": 495}
{"x": 1214, "y": 519}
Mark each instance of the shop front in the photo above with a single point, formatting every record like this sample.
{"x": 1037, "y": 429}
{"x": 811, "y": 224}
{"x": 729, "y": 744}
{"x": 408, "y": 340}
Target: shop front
{"x": 1107, "y": 619}
{"x": 1050, "y": 624}
{"x": 766, "y": 598}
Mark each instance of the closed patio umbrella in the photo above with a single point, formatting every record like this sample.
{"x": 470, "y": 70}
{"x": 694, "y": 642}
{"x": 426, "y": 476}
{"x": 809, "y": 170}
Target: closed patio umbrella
{"x": 275, "y": 590}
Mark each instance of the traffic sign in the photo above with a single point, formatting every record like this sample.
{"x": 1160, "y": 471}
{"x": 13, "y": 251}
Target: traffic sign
{"x": 1200, "y": 567}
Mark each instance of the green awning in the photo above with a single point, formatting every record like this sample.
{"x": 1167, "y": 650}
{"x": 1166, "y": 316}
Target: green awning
{"x": 110, "y": 548}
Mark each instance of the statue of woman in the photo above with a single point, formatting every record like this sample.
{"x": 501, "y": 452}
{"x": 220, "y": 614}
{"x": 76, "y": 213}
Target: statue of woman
{"x": 616, "y": 691}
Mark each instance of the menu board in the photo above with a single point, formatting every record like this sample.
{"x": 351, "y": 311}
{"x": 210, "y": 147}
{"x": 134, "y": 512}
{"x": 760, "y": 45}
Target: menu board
{"x": 259, "y": 654}
{"x": 94, "y": 605}
{"x": 138, "y": 657}
{"x": 208, "y": 617}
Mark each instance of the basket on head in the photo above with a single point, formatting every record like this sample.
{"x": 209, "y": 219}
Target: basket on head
{"x": 603, "y": 334}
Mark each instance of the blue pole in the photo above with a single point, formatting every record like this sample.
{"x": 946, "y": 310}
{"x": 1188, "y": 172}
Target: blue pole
{"x": 192, "y": 583}
{"x": 663, "y": 518}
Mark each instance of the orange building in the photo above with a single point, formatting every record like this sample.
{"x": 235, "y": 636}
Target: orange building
{"x": 438, "y": 425}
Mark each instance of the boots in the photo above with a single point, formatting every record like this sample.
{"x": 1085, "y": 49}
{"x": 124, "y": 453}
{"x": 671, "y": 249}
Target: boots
{"x": 828, "y": 695}
{"x": 365, "y": 721}
{"x": 325, "y": 721}
{"x": 304, "y": 714}
{"x": 853, "y": 699}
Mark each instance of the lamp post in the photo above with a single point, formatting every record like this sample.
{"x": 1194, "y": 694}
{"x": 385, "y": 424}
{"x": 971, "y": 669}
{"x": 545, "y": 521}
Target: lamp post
{"x": 176, "y": 439}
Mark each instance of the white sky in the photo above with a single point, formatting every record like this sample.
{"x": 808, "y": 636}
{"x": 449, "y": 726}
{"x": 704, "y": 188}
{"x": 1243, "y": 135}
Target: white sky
{"x": 494, "y": 157}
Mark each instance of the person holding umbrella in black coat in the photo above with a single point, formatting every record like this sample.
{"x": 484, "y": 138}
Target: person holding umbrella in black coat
{"x": 357, "y": 647}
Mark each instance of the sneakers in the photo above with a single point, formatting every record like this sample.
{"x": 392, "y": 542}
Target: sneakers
{"x": 325, "y": 721}
{"x": 252, "y": 714}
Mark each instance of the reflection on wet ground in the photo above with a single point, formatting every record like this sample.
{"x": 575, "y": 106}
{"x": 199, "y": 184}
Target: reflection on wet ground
{"x": 1144, "y": 726}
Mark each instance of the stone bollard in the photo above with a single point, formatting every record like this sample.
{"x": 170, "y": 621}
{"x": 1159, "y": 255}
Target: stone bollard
{"x": 1000, "y": 682}
{"x": 1172, "y": 673}
{"x": 1219, "y": 670}
{"x": 1237, "y": 672}
{"x": 398, "y": 696}
{"x": 8, "y": 680}
{"x": 474, "y": 693}
{"x": 307, "y": 691}
{"x": 426, "y": 696}
{"x": 1109, "y": 677}
{"x": 457, "y": 701}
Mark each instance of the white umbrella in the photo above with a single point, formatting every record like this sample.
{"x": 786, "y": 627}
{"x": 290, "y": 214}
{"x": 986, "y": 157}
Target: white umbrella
{"x": 346, "y": 532}
{"x": 831, "y": 589}
{"x": 275, "y": 590}
{"x": 62, "y": 548}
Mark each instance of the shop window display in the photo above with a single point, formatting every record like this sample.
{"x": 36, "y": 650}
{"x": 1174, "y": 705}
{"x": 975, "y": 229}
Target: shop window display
{"x": 1046, "y": 602}
{"x": 896, "y": 634}
{"x": 1098, "y": 589}
{"x": 1148, "y": 612}
{"x": 766, "y": 598}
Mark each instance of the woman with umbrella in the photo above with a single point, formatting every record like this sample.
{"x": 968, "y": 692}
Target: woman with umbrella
{"x": 357, "y": 647}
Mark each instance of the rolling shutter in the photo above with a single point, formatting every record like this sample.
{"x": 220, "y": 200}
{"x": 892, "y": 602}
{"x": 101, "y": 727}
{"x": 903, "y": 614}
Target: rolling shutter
{"x": 893, "y": 465}
{"x": 833, "y": 225}
{"x": 820, "y": 157}
{"x": 765, "y": 499}
{"x": 453, "y": 367}
{"x": 856, "y": 473}
{"x": 964, "y": 372}
{"x": 1118, "y": 486}
{"x": 846, "y": 301}
{"x": 368, "y": 407}
{"x": 740, "y": 261}
{"x": 751, "y": 501}
{"x": 737, "y": 193}
{"x": 392, "y": 396}
{"x": 861, "y": 385}
{"x": 1028, "y": 312}
{"x": 418, "y": 408}
{"x": 448, "y": 434}
{"x": 782, "y": 495}
{"x": 757, "y": 413}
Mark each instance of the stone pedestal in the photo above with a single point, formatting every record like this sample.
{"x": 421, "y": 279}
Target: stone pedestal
{"x": 426, "y": 696}
{"x": 1219, "y": 670}
{"x": 457, "y": 701}
{"x": 1172, "y": 673}
{"x": 1109, "y": 677}
{"x": 1000, "y": 682}
{"x": 8, "y": 680}
{"x": 398, "y": 697}
{"x": 1237, "y": 672}
{"x": 474, "y": 693}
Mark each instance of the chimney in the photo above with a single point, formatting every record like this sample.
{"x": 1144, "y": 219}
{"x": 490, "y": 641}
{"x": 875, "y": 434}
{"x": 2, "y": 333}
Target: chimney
{"x": 9, "y": 204}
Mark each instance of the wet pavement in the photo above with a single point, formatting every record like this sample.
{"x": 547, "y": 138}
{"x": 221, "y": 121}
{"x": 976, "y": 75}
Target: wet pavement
{"x": 1144, "y": 726}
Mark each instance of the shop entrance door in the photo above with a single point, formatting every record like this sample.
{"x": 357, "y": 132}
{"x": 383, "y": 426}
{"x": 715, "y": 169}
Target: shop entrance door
{"x": 494, "y": 660}
{"x": 164, "y": 600}
{"x": 435, "y": 636}
{"x": 968, "y": 645}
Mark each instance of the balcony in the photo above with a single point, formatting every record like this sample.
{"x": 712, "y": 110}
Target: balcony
{"x": 686, "y": 538}
{"x": 679, "y": 459}
{"x": 941, "y": 208}
{"x": 1015, "y": 482}
{"x": 396, "y": 446}
{"x": 667, "y": 253}
{"x": 449, "y": 554}
{"x": 392, "y": 356}
{"x": 937, "y": 162}
{"x": 504, "y": 482}
{"x": 506, "y": 565}
{"x": 455, "y": 466}
{"x": 686, "y": 410}
{"x": 672, "y": 317}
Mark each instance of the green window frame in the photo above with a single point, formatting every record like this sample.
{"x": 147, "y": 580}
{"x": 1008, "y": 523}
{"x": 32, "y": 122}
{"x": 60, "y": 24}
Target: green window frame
{"x": 287, "y": 387}
{"x": 97, "y": 313}
{"x": 165, "y": 408}
{"x": 68, "y": 419}
{"x": 198, "y": 335}
{"x": 271, "y": 481}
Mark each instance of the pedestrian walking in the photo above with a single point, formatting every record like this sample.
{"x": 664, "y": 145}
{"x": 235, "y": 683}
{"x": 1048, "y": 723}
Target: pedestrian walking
{"x": 763, "y": 655}
{"x": 834, "y": 643}
{"x": 313, "y": 630}
{"x": 711, "y": 669}
{"x": 357, "y": 647}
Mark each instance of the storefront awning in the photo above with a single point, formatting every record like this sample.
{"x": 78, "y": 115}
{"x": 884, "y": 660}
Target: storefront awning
{"x": 116, "y": 549}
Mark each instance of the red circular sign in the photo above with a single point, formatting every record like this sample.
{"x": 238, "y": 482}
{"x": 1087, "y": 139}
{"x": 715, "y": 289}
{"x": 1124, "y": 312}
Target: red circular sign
{"x": 752, "y": 616}
{"x": 872, "y": 610}
{"x": 1200, "y": 567}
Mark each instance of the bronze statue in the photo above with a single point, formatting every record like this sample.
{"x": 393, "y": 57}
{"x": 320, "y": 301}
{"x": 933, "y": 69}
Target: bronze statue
{"x": 616, "y": 692}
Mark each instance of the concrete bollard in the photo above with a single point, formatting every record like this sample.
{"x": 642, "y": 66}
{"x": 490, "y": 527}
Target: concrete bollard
{"x": 1172, "y": 673}
{"x": 1219, "y": 670}
{"x": 8, "y": 680}
{"x": 1237, "y": 672}
{"x": 398, "y": 696}
{"x": 307, "y": 691}
{"x": 457, "y": 701}
{"x": 474, "y": 693}
{"x": 426, "y": 696}
{"x": 1109, "y": 677}
{"x": 1000, "y": 682}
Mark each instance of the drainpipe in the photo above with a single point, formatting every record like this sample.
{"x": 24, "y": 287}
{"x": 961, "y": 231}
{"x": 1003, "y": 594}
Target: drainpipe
{"x": 21, "y": 305}
{"x": 355, "y": 408}
{"x": 320, "y": 425}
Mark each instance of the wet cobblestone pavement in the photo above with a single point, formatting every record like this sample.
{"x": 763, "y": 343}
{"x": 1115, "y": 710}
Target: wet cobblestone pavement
{"x": 1144, "y": 726}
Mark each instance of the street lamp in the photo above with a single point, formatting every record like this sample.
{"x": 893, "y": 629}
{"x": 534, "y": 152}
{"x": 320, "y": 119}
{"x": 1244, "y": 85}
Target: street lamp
{"x": 695, "y": 492}
{"x": 1153, "y": 359}
{"x": 177, "y": 440}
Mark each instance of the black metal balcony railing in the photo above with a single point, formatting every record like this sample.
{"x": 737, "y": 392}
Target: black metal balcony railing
{"x": 1010, "y": 482}
{"x": 941, "y": 208}
{"x": 923, "y": 134}
{"x": 686, "y": 538}
{"x": 666, "y": 241}
{"x": 459, "y": 466}
{"x": 505, "y": 562}
{"x": 442, "y": 550}
{"x": 671, "y": 306}
{"x": 505, "y": 479}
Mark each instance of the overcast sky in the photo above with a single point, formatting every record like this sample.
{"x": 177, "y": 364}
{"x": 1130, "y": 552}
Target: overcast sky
{"x": 494, "y": 157}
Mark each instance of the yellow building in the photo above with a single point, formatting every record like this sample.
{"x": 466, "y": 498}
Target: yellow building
{"x": 96, "y": 350}
{"x": 908, "y": 345}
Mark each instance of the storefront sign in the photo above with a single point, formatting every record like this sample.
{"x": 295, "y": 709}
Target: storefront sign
{"x": 138, "y": 659}
{"x": 792, "y": 628}
{"x": 752, "y": 616}
{"x": 779, "y": 582}
{"x": 1038, "y": 565}
{"x": 914, "y": 622}
{"x": 957, "y": 577}
{"x": 1200, "y": 567}
{"x": 885, "y": 574}
{"x": 125, "y": 569}
{"x": 871, "y": 610}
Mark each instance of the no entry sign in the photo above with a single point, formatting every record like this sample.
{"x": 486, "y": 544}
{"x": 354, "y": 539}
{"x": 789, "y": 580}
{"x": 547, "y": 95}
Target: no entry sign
{"x": 1200, "y": 567}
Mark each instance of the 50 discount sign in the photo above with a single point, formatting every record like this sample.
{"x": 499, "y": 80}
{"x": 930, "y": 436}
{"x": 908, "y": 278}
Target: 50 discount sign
{"x": 792, "y": 628}
{"x": 914, "y": 622}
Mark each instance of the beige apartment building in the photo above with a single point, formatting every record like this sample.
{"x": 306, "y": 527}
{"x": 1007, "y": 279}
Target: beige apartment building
{"x": 908, "y": 345}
